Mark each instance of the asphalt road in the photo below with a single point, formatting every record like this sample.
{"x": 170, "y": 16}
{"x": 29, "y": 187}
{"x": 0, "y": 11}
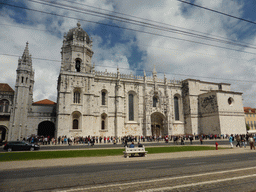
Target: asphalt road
{"x": 232, "y": 172}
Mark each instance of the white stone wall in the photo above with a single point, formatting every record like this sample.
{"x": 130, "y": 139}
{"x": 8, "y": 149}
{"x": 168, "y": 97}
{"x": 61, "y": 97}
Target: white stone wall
{"x": 209, "y": 121}
{"x": 178, "y": 128}
{"x": 39, "y": 114}
{"x": 116, "y": 104}
{"x": 231, "y": 115}
{"x": 210, "y": 124}
{"x": 232, "y": 124}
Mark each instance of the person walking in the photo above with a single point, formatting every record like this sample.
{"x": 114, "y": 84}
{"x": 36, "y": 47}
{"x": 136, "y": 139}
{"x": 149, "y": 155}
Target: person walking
{"x": 125, "y": 142}
{"x": 191, "y": 139}
{"x": 201, "y": 140}
{"x": 231, "y": 140}
{"x": 238, "y": 141}
{"x": 251, "y": 141}
{"x": 92, "y": 140}
{"x": 182, "y": 140}
{"x": 243, "y": 140}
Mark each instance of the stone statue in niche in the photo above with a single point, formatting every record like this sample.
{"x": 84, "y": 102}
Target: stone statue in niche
{"x": 78, "y": 65}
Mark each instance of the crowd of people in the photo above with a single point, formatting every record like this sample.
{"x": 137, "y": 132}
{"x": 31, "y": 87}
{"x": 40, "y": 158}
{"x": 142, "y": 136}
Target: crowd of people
{"x": 243, "y": 140}
{"x": 91, "y": 140}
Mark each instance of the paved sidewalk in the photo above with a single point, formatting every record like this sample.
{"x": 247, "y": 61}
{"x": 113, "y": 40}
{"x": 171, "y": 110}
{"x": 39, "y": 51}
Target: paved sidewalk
{"x": 115, "y": 159}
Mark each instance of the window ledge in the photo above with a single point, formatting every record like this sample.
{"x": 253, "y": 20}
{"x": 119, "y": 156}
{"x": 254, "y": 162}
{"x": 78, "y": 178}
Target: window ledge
{"x": 75, "y": 130}
{"x": 132, "y": 122}
{"x": 105, "y": 130}
{"x": 77, "y": 104}
{"x": 178, "y": 122}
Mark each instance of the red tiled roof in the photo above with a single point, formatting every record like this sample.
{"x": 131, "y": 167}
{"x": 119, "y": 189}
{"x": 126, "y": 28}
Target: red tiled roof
{"x": 247, "y": 110}
{"x": 44, "y": 102}
{"x": 5, "y": 87}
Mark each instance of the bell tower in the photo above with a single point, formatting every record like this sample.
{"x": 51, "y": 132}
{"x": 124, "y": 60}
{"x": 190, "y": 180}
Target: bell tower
{"x": 76, "y": 51}
{"x": 23, "y": 97}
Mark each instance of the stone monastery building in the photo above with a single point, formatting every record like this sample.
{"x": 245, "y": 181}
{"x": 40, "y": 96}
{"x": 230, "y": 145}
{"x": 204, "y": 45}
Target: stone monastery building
{"x": 97, "y": 103}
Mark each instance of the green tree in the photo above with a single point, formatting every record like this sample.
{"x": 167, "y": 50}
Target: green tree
{"x": 247, "y": 127}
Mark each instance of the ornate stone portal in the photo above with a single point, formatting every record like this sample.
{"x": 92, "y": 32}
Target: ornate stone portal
{"x": 157, "y": 124}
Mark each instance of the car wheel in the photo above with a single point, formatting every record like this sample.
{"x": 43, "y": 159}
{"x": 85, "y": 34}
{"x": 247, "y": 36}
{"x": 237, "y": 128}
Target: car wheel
{"x": 32, "y": 149}
{"x": 9, "y": 149}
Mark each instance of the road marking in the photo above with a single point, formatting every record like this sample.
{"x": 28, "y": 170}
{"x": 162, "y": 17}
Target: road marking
{"x": 198, "y": 163}
{"x": 157, "y": 180}
{"x": 157, "y": 167}
{"x": 200, "y": 183}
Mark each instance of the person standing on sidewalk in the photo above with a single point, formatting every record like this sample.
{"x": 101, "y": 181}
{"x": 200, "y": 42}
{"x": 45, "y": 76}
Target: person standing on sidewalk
{"x": 201, "y": 140}
{"x": 243, "y": 140}
{"x": 238, "y": 141}
{"x": 251, "y": 141}
{"x": 231, "y": 140}
{"x": 191, "y": 139}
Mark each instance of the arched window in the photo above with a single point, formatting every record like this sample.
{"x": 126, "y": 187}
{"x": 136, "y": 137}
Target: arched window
{"x": 26, "y": 80}
{"x": 103, "y": 121}
{"x": 4, "y": 105}
{"x": 76, "y": 120}
{"x": 131, "y": 107}
{"x": 22, "y": 79}
{"x": 155, "y": 101}
{"x": 1, "y": 106}
{"x": 78, "y": 65}
{"x": 75, "y": 124}
{"x": 103, "y": 98}
{"x": 76, "y": 98}
{"x": 230, "y": 101}
{"x": 176, "y": 108}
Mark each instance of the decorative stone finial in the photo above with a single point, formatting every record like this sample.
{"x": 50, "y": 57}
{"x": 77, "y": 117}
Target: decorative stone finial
{"x": 78, "y": 24}
{"x": 154, "y": 70}
{"x": 26, "y": 52}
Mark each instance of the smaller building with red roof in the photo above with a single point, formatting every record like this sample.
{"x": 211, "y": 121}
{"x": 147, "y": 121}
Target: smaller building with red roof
{"x": 44, "y": 102}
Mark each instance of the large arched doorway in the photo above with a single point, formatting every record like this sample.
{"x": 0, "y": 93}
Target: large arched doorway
{"x": 46, "y": 128}
{"x": 157, "y": 124}
{"x": 3, "y": 131}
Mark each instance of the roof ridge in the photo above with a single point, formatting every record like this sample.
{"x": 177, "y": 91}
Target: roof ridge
{"x": 44, "y": 102}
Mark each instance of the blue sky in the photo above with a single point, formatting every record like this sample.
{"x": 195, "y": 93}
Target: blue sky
{"x": 135, "y": 51}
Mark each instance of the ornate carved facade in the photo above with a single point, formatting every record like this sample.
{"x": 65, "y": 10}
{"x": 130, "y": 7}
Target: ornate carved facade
{"x": 98, "y": 103}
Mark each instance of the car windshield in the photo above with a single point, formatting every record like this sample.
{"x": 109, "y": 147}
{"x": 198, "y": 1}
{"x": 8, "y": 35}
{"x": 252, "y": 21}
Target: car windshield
{"x": 25, "y": 142}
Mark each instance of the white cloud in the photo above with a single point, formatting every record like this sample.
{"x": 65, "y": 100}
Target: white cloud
{"x": 169, "y": 55}
{"x": 42, "y": 44}
{"x": 181, "y": 57}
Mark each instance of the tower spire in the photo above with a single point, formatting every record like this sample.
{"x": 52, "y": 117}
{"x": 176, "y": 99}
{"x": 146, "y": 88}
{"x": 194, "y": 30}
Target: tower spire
{"x": 23, "y": 97}
{"x": 26, "y": 52}
{"x": 26, "y": 58}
